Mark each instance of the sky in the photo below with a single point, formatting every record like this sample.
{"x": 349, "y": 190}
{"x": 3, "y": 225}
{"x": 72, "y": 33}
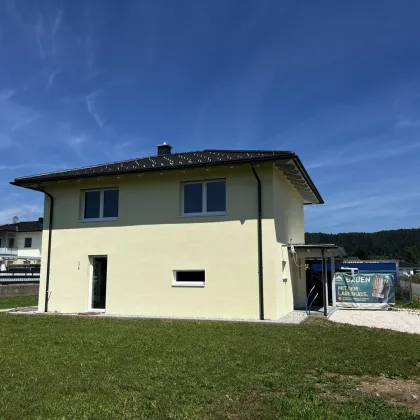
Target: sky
{"x": 88, "y": 82}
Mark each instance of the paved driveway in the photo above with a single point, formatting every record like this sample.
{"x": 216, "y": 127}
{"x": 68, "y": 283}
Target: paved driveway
{"x": 403, "y": 321}
{"x": 416, "y": 287}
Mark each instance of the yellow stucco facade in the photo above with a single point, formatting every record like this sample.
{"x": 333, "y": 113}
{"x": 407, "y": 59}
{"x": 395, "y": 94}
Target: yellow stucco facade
{"x": 151, "y": 239}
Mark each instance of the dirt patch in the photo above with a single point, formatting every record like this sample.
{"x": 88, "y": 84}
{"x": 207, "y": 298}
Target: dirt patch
{"x": 333, "y": 396}
{"x": 250, "y": 407}
{"x": 405, "y": 392}
{"x": 318, "y": 321}
{"x": 397, "y": 391}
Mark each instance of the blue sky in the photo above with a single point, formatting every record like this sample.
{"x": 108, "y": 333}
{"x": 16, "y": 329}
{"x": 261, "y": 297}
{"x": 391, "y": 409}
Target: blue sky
{"x": 85, "y": 82}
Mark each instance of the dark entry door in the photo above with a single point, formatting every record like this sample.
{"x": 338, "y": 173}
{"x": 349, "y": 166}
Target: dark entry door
{"x": 99, "y": 268}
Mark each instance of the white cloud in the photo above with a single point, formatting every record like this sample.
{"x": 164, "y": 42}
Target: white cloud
{"x": 92, "y": 108}
{"x": 39, "y": 34}
{"x": 52, "y": 76}
{"x": 24, "y": 212}
{"x": 31, "y": 165}
{"x": 5, "y": 141}
{"x": 13, "y": 116}
{"x": 5, "y": 95}
{"x": 351, "y": 155}
{"x": 77, "y": 144}
{"x": 356, "y": 209}
{"x": 56, "y": 26}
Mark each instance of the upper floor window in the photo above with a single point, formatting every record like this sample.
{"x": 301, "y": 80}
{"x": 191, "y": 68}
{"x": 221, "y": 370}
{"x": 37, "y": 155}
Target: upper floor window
{"x": 100, "y": 204}
{"x": 11, "y": 243}
{"x": 28, "y": 242}
{"x": 204, "y": 198}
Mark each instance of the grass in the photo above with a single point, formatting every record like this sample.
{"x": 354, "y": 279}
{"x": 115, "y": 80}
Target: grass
{"x": 414, "y": 305}
{"x": 18, "y": 301}
{"x": 59, "y": 367}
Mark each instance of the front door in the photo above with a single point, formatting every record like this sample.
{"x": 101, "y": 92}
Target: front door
{"x": 98, "y": 283}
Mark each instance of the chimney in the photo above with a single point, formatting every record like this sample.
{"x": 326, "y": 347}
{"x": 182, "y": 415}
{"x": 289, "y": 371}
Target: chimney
{"x": 164, "y": 149}
{"x": 41, "y": 221}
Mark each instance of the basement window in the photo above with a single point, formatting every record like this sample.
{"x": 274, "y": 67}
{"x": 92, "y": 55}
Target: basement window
{"x": 189, "y": 278}
{"x": 100, "y": 204}
{"x": 205, "y": 198}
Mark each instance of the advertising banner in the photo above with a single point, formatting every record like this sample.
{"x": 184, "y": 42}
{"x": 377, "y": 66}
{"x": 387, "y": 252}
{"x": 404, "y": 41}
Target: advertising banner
{"x": 361, "y": 289}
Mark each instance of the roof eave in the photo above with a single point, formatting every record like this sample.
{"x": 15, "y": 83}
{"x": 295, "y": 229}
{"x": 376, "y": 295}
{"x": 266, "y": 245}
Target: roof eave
{"x": 20, "y": 182}
{"x": 308, "y": 180}
{"x": 28, "y": 182}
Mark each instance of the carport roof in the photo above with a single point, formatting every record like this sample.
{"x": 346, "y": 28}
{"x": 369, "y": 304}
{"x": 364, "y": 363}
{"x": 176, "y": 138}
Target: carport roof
{"x": 337, "y": 250}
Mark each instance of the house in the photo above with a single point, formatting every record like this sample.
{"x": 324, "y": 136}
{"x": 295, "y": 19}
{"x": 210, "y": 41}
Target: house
{"x": 21, "y": 243}
{"x": 196, "y": 234}
{"x": 409, "y": 269}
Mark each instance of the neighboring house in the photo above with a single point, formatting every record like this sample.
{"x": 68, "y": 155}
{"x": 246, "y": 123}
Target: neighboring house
{"x": 409, "y": 269}
{"x": 21, "y": 242}
{"x": 197, "y": 234}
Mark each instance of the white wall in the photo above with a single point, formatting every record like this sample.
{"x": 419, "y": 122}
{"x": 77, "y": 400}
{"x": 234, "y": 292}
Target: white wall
{"x": 289, "y": 227}
{"x": 150, "y": 240}
{"x": 35, "y": 250}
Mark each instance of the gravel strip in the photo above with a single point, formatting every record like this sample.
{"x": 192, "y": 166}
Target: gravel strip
{"x": 295, "y": 317}
{"x": 392, "y": 320}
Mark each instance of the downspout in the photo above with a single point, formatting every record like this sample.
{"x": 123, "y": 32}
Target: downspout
{"x": 47, "y": 282}
{"x": 260, "y": 254}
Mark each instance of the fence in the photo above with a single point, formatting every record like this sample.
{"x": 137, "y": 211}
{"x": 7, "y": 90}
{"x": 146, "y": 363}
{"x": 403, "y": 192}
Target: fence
{"x": 18, "y": 278}
{"x": 408, "y": 290}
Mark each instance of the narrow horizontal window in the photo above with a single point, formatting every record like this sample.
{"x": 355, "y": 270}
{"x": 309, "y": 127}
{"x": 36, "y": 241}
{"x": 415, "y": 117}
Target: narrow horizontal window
{"x": 204, "y": 198}
{"x": 100, "y": 204}
{"x": 190, "y": 278}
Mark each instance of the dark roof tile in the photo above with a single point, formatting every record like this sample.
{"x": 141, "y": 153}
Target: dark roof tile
{"x": 163, "y": 162}
{"x": 31, "y": 226}
{"x": 209, "y": 157}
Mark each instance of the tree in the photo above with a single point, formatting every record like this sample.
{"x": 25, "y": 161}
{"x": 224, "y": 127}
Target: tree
{"x": 388, "y": 244}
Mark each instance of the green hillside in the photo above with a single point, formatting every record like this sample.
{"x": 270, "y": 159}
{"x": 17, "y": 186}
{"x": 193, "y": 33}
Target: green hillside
{"x": 402, "y": 244}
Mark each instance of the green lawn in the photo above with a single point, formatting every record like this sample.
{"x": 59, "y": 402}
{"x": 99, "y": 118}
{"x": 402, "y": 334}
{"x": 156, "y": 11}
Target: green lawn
{"x": 60, "y": 367}
{"x": 18, "y": 301}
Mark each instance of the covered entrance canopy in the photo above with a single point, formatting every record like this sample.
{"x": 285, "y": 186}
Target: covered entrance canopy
{"x": 321, "y": 253}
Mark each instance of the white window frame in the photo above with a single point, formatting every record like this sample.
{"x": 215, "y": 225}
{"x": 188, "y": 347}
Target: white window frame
{"x": 90, "y": 309}
{"x": 101, "y": 205}
{"x": 176, "y": 283}
{"x": 204, "y": 199}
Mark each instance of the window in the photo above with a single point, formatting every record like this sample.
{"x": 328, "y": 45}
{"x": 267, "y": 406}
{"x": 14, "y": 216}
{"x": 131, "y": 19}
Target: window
{"x": 100, "y": 204}
{"x": 189, "y": 278}
{"x": 204, "y": 198}
{"x": 11, "y": 242}
{"x": 28, "y": 242}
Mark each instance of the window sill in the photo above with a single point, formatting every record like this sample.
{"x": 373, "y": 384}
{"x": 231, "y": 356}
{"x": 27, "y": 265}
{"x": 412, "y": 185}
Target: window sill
{"x": 215, "y": 213}
{"x": 188, "y": 284}
{"x": 102, "y": 219}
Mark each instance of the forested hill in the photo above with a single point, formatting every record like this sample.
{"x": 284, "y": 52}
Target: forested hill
{"x": 402, "y": 244}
